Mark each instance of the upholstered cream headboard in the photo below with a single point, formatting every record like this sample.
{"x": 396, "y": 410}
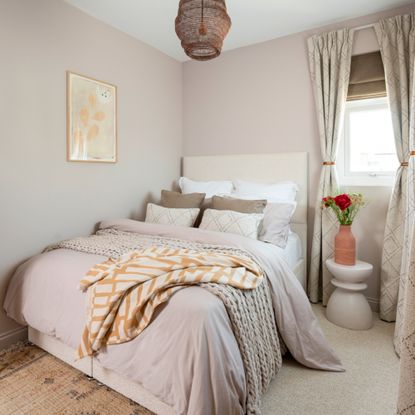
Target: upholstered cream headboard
{"x": 266, "y": 168}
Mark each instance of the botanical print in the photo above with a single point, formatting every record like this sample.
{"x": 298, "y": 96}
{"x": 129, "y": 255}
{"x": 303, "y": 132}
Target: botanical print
{"x": 91, "y": 111}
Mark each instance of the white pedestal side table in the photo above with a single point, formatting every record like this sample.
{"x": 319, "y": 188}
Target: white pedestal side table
{"x": 347, "y": 306}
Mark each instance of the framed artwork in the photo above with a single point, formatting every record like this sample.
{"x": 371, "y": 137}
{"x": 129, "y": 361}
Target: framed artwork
{"x": 91, "y": 119}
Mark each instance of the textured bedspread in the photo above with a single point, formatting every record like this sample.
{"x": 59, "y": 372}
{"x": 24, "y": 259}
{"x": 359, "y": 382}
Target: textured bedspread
{"x": 206, "y": 374}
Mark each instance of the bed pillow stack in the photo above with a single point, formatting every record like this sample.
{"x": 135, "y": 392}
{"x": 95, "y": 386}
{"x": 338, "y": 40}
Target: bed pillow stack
{"x": 280, "y": 207}
{"x": 274, "y": 203}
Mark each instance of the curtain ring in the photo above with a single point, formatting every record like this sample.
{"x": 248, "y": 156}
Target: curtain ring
{"x": 328, "y": 163}
{"x": 404, "y": 164}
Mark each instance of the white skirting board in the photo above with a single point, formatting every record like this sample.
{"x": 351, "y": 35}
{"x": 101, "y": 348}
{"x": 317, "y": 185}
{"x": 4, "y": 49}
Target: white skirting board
{"x": 91, "y": 367}
{"x": 11, "y": 337}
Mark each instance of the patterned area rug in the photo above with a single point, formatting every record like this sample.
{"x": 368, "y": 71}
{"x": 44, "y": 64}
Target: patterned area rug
{"x": 36, "y": 383}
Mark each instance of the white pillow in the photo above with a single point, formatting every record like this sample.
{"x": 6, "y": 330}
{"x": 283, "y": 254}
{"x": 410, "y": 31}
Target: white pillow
{"x": 210, "y": 188}
{"x": 277, "y": 192}
{"x": 171, "y": 216}
{"x": 245, "y": 224}
{"x": 276, "y": 224}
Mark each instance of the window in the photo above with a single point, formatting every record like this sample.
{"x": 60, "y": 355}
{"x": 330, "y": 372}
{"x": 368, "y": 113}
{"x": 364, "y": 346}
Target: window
{"x": 367, "y": 154}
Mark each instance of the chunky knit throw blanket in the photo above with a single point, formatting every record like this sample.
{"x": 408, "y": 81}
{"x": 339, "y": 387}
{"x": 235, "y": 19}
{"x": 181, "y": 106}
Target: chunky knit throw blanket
{"x": 250, "y": 311}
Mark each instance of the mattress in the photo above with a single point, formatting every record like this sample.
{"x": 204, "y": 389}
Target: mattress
{"x": 292, "y": 253}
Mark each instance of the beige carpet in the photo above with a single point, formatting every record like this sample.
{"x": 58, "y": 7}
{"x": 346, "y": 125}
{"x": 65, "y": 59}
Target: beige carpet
{"x": 368, "y": 387}
{"x": 34, "y": 382}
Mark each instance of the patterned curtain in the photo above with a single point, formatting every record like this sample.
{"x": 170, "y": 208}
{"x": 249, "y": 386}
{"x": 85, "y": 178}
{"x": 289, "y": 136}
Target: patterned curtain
{"x": 330, "y": 57}
{"x": 396, "y": 38}
{"x": 406, "y": 394}
{"x": 405, "y": 327}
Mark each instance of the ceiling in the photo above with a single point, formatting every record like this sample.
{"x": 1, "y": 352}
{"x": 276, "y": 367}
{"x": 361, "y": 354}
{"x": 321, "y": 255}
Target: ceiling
{"x": 253, "y": 21}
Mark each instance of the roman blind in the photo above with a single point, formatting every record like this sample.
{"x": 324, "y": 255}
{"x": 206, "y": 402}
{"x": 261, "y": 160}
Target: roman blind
{"x": 367, "y": 77}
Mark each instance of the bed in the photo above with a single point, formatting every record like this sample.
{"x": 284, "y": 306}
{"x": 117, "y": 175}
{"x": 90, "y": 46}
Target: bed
{"x": 205, "y": 375}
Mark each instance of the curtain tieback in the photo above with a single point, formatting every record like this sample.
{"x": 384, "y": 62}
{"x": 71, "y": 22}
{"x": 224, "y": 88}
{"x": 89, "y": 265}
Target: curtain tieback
{"x": 406, "y": 163}
{"x": 328, "y": 163}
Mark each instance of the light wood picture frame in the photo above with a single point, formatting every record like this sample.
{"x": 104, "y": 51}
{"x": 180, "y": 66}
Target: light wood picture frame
{"x": 91, "y": 119}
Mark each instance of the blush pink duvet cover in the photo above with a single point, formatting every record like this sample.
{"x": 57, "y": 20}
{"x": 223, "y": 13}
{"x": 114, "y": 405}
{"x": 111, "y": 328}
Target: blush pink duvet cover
{"x": 188, "y": 356}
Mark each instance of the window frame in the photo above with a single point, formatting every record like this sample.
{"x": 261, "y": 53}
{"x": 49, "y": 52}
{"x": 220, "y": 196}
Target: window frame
{"x": 346, "y": 177}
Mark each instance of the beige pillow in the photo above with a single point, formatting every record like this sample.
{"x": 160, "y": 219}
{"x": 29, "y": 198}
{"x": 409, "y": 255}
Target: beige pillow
{"x": 171, "y": 216}
{"x": 238, "y": 205}
{"x": 171, "y": 199}
{"x": 229, "y": 221}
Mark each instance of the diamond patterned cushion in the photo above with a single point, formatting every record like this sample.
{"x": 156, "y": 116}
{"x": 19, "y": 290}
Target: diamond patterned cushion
{"x": 171, "y": 216}
{"x": 229, "y": 221}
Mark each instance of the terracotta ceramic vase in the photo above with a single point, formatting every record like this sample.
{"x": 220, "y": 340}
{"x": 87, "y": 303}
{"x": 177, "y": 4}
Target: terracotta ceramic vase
{"x": 345, "y": 246}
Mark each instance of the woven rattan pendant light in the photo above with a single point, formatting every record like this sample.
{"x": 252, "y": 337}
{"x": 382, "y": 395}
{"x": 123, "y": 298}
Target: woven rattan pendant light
{"x": 202, "y": 25}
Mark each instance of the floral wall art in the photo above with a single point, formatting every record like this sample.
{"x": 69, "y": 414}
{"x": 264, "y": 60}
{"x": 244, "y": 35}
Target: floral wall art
{"x": 91, "y": 119}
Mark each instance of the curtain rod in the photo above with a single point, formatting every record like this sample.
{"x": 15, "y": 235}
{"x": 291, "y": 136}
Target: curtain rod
{"x": 367, "y": 26}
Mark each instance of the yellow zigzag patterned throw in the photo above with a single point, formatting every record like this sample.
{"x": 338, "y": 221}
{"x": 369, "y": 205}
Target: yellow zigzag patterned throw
{"x": 123, "y": 293}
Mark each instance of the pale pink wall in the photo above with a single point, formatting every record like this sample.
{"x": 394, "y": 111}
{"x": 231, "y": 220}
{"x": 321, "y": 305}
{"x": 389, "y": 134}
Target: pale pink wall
{"x": 258, "y": 99}
{"x": 43, "y": 198}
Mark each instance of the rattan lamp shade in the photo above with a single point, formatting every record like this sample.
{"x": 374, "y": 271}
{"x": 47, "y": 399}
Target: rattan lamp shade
{"x": 202, "y": 25}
